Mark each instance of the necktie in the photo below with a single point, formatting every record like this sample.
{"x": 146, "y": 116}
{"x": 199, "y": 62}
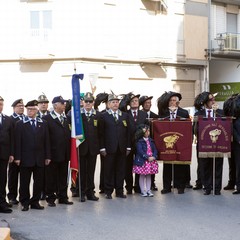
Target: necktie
{"x": 61, "y": 119}
{"x": 115, "y": 116}
{"x": 135, "y": 116}
{"x": 172, "y": 115}
{"x": 33, "y": 124}
{"x": 88, "y": 116}
{"x": 209, "y": 113}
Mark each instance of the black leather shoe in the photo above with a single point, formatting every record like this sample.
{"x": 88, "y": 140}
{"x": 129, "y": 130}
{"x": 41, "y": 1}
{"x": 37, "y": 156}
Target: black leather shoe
{"x": 8, "y": 205}
{"x": 43, "y": 196}
{"x": 121, "y": 195}
{"x": 164, "y": 191}
{"x": 197, "y": 187}
{"x": 65, "y": 201}
{"x": 154, "y": 188}
{"x": 206, "y": 192}
{"x": 137, "y": 190}
{"x": 5, "y": 209}
{"x": 129, "y": 192}
{"x": 51, "y": 204}
{"x": 180, "y": 190}
{"x": 108, "y": 196}
{"x": 83, "y": 199}
{"x": 188, "y": 185}
{"x": 25, "y": 208}
{"x": 13, "y": 201}
{"x": 217, "y": 192}
{"x": 229, "y": 187}
{"x": 37, "y": 206}
{"x": 236, "y": 192}
{"x": 75, "y": 194}
{"x": 92, "y": 197}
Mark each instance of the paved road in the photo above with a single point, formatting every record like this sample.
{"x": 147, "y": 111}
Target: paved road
{"x": 168, "y": 217}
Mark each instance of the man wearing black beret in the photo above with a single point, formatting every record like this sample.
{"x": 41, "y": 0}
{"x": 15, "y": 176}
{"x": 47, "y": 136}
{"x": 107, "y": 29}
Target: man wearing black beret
{"x": 60, "y": 140}
{"x": 13, "y": 169}
{"x": 32, "y": 152}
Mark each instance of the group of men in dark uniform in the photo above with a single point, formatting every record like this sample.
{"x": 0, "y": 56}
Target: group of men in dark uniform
{"x": 35, "y": 145}
{"x": 38, "y": 144}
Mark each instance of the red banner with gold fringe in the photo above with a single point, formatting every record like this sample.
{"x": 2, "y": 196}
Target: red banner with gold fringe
{"x": 173, "y": 140}
{"x": 214, "y": 137}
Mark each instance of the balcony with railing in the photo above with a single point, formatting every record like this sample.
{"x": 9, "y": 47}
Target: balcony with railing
{"x": 225, "y": 45}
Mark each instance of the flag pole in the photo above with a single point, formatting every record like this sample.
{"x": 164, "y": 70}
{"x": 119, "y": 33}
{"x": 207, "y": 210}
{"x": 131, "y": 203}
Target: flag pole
{"x": 79, "y": 176}
{"x": 77, "y": 128}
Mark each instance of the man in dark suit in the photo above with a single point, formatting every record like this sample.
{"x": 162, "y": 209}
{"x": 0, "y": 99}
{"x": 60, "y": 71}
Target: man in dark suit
{"x": 60, "y": 139}
{"x": 171, "y": 110}
{"x": 42, "y": 111}
{"x": 146, "y": 103}
{"x": 32, "y": 152}
{"x": 89, "y": 148}
{"x": 114, "y": 146}
{"x": 13, "y": 169}
{"x": 101, "y": 98}
{"x": 6, "y": 155}
{"x": 205, "y": 165}
{"x": 136, "y": 117}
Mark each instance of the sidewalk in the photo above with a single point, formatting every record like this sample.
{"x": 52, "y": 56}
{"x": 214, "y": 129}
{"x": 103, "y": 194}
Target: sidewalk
{"x": 167, "y": 217}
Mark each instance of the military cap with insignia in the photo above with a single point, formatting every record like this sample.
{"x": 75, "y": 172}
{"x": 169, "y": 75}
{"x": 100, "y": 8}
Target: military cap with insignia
{"x": 143, "y": 99}
{"x": 32, "y": 103}
{"x": 1, "y": 99}
{"x": 43, "y": 99}
{"x": 59, "y": 99}
{"x": 88, "y": 97}
{"x": 112, "y": 97}
{"x": 14, "y": 104}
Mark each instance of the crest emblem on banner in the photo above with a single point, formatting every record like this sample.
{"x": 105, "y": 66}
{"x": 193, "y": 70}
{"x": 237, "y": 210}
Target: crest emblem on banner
{"x": 214, "y": 135}
{"x": 170, "y": 140}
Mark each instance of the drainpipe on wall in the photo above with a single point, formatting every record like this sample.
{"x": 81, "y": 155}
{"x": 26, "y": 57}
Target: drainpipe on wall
{"x": 206, "y": 70}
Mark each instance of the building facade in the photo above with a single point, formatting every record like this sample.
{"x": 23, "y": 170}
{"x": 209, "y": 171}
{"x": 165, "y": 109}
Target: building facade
{"x": 144, "y": 46}
{"x": 224, "y": 52}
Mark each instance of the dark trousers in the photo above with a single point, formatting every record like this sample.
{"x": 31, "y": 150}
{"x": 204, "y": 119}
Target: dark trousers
{"x": 13, "y": 173}
{"x": 3, "y": 180}
{"x": 188, "y": 174}
{"x": 180, "y": 172}
{"x": 25, "y": 178}
{"x": 101, "y": 185}
{"x": 207, "y": 173}
{"x": 129, "y": 174}
{"x": 236, "y": 157}
{"x": 153, "y": 181}
{"x": 232, "y": 169}
{"x": 87, "y": 170}
{"x": 114, "y": 172}
{"x": 199, "y": 167}
{"x": 56, "y": 180}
